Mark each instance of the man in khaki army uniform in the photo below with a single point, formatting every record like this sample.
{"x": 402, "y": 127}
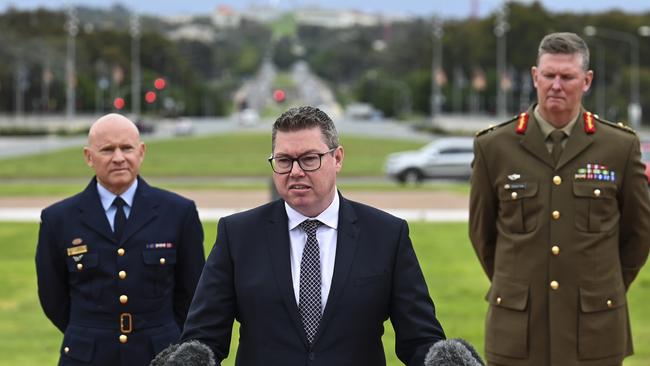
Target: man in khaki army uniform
{"x": 560, "y": 221}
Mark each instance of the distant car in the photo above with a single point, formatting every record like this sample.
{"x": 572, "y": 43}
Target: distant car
{"x": 444, "y": 158}
{"x": 645, "y": 157}
{"x": 183, "y": 128}
{"x": 248, "y": 117}
{"x": 144, "y": 127}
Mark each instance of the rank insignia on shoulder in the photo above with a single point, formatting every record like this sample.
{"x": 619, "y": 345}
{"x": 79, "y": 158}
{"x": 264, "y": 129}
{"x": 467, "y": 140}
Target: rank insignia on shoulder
{"x": 492, "y": 127}
{"x": 77, "y": 250}
{"x": 522, "y": 123}
{"x": 588, "y": 119}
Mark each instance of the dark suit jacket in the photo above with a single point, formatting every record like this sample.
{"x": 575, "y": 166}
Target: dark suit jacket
{"x": 561, "y": 243}
{"x": 376, "y": 277}
{"x": 79, "y": 283}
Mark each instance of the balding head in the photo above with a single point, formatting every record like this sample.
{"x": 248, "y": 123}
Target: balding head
{"x": 115, "y": 152}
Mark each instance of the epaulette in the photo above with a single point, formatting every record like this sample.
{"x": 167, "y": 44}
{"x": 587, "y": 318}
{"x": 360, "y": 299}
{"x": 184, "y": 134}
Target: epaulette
{"x": 492, "y": 127}
{"x": 618, "y": 125}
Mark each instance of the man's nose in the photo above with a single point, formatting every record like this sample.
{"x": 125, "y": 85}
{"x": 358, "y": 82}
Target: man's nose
{"x": 557, "y": 83}
{"x": 296, "y": 170}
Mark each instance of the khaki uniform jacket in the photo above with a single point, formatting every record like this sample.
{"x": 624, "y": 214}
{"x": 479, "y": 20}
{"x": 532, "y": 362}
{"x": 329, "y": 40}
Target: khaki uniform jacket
{"x": 560, "y": 244}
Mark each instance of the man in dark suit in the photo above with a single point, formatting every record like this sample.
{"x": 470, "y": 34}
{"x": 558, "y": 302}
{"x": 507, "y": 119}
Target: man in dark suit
{"x": 559, "y": 219}
{"x": 118, "y": 263}
{"x": 312, "y": 277}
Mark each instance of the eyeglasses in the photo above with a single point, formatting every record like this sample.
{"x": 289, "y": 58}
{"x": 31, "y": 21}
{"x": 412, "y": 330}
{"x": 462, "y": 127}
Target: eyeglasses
{"x": 307, "y": 162}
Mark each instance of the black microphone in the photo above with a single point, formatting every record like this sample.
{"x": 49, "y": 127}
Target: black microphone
{"x": 452, "y": 352}
{"x": 191, "y": 353}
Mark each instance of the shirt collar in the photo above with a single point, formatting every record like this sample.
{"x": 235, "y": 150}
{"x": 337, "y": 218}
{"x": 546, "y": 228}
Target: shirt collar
{"x": 547, "y": 128}
{"x": 329, "y": 217}
{"x": 107, "y": 196}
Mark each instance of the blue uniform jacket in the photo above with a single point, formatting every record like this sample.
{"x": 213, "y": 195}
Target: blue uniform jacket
{"x": 118, "y": 303}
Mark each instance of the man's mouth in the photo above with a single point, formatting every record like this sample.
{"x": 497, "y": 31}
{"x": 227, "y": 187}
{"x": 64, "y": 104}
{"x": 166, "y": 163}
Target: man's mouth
{"x": 298, "y": 186}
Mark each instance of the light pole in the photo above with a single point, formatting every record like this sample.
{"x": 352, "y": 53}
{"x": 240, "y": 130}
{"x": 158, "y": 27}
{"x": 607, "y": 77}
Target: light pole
{"x": 72, "y": 26}
{"x": 436, "y": 67}
{"x": 634, "y": 107}
{"x": 500, "y": 29}
{"x": 135, "y": 65}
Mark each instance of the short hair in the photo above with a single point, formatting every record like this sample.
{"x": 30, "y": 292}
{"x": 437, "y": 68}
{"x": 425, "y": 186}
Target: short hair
{"x": 306, "y": 117}
{"x": 564, "y": 43}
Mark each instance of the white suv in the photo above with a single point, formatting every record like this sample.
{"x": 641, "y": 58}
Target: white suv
{"x": 447, "y": 158}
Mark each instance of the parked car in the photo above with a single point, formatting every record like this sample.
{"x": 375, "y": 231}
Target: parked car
{"x": 645, "y": 157}
{"x": 448, "y": 158}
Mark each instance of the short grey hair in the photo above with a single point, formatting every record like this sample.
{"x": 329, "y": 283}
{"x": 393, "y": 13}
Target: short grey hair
{"x": 564, "y": 43}
{"x": 306, "y": 117}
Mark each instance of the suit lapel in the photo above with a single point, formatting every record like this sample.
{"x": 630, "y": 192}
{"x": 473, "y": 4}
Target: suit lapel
{"x": 346, "y": 247}
{"x": 278, "y": 244}
{"x": 143, "y": 211}
{"x": 91, "y": 211}
{"x": 533, "y": 141}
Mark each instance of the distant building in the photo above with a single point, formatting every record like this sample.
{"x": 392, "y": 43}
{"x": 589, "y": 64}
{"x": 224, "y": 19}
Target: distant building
{"x": 225, "y": 17}
{"x": 194, "y": 32}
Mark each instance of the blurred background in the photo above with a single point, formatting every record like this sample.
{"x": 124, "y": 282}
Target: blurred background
{"x": 408, "y": 83}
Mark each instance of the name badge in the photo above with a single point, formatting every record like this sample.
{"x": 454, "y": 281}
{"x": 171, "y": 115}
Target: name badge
{"x": 77, "y": 250}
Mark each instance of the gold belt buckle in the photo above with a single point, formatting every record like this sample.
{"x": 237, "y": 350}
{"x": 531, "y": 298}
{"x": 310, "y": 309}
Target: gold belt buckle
{"x": 126, "y": 323}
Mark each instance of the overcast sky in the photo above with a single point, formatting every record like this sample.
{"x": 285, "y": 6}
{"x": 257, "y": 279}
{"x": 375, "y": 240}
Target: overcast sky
{"x": 445, "y": 8}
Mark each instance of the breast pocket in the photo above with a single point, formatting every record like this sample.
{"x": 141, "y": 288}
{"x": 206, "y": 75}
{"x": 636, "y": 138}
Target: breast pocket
{"x": 517, "y": 206}
{"x": 159, "y": 269}
{"x": 596, "y": 206}
{"x": 83, "y": 274}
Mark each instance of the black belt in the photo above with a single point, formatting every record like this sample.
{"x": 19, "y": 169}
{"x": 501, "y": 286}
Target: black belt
{"x": 124, "y": 322}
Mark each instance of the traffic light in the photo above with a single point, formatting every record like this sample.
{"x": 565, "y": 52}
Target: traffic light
{"x": 118, "y": 103}
{"x": 159, "y": 84}
{"x": 279, "y": 95}
{"x": 150, "y": 97}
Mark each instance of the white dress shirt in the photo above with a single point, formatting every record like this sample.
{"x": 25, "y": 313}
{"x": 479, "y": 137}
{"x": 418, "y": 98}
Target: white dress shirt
{"x": 107, "y": 198}
{"x": 326, "y": 236}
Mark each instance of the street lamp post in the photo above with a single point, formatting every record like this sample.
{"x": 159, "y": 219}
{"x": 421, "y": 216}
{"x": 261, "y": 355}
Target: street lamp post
{"x": 72, "y": 26}
{"x": 500, "y": 29}
{"x": 634, "y": 107}
{"x": 135, "y": 65}
{"x": 436, "y": 67}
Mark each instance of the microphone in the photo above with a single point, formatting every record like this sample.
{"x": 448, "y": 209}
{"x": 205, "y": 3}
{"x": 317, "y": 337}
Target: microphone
{"x": 452, "y": 352}
{"x": 191, "y": 353}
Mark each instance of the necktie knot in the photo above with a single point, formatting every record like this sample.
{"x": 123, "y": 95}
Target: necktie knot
{"x": 310, "y": 226}
{"x": 119, "y": 202}
{"x": 557, "y": 136}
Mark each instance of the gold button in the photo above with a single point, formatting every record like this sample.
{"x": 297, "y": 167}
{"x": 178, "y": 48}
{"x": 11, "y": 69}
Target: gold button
{"x": 556, "y": 215}
{"x": 555, "y": 285}
{"x": 555, "y": 250}
{"x": 163, "y": 261}
{"x": 120, "y": 252}
{"x": 122, "y": 275}
{"x": 66, "y": 350}
{"x": 499, "y": 300}
{"x": 597, "y": 192}
{"x": 80, "y": 266}
{"x": 610, "y": 303}
{"x": 124, "y": 299}
{"x": 620, "y": 124}
{"x": 557, "y": 180}
{"x": 123, "y": 338}
{"x": 506, "y": 186}
{"x": 513, "y": 195}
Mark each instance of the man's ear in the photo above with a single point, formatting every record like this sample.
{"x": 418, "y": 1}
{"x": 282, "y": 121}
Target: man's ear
{"x": 88, "y": 156}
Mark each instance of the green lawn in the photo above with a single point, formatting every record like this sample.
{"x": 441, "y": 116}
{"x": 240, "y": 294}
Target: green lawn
{"x": 227, "y": 155}
{"x": 455, "y": 280}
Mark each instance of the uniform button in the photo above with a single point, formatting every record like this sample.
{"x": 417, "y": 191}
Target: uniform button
{"x": 610, "y": 303}
{"x": 122, "y": 275}
{"x": 123, "y": 338}
{"x": 557, "y": 180}
{"x": 597, "y": 192}
{"x": 66, "y": 350}
{"x": 121, "y": 252}
{"x": 620, "y": 124}
{"x": 556, "y": 215}
{"x": 513, "y": 195}
{"x": 163, "y": 261}
{"x": 124, "y": 299}
{"x": 80, "y": 266}
{"x": 555, "y": 250}
{"x": 506, "y": 186}
{"x": 499, "y": 300}
{"x": 312, "y": 356}
{"x": 555, "y": 285}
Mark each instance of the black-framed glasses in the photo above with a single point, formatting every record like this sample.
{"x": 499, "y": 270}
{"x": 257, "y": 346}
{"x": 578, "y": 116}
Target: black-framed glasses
{"x": 307, "y": 162}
